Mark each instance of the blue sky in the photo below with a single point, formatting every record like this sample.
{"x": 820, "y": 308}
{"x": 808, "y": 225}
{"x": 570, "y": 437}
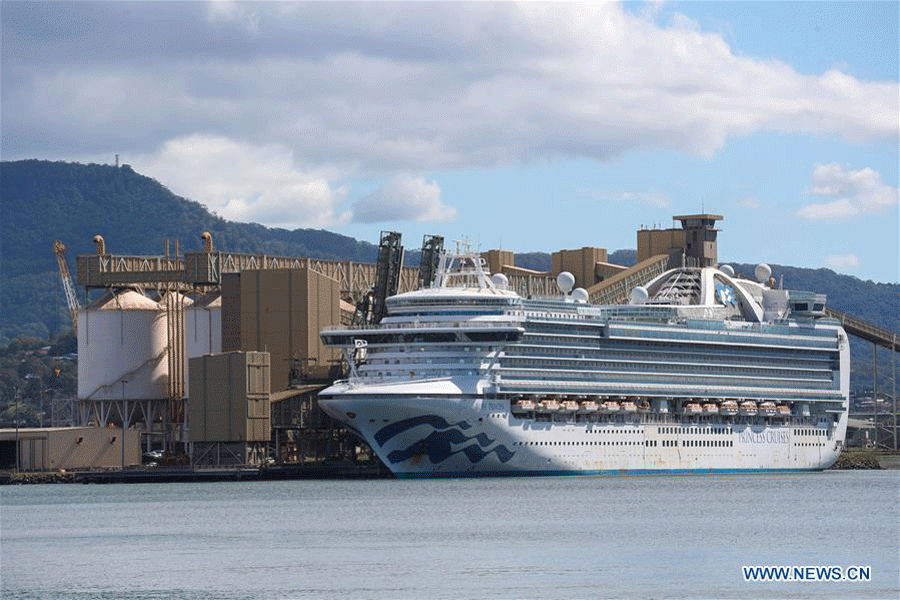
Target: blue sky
{"x": 533, "y": 127}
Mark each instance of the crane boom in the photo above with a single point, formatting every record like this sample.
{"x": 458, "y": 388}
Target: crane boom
{"x": 60, "y": 250}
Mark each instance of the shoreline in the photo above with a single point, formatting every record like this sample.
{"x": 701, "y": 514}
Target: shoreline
{"x": 190, "y": 474}
{"x": 848, "y": 460}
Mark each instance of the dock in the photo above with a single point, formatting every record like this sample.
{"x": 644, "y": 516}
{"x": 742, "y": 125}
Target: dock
{"x": 188, "y": 474}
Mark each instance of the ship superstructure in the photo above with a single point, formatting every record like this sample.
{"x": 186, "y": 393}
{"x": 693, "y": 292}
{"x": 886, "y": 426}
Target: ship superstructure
{"x": 701, "y": 371}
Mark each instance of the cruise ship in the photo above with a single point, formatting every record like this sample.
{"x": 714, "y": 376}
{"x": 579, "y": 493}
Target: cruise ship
{"x": 701, "y": 371}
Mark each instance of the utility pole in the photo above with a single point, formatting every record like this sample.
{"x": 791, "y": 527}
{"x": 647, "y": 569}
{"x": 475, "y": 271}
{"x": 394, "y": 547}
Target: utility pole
{"x": 124, "y": 421}
{"x": 16, "y": 403}
{"x": 875, "y": 389}
{"x": 894, "y": 383}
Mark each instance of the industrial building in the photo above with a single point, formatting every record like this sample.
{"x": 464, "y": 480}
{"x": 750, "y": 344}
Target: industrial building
{"x": 230, "y": 415}
{"x": 68, "y": 448}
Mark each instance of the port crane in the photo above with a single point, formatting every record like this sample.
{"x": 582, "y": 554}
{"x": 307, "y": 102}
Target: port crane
{"x": 71, "y": 299}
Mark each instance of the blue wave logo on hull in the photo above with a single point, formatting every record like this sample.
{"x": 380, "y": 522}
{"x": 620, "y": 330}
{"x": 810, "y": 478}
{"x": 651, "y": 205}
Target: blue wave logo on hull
{"x": 389, "y": 431}
{"x": 438, "y": 444}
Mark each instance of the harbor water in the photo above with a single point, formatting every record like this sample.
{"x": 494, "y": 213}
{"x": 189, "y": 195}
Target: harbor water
{"x": 672, "y": 536}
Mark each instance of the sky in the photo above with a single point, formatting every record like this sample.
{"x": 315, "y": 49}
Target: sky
{"x": 529, "y": 127}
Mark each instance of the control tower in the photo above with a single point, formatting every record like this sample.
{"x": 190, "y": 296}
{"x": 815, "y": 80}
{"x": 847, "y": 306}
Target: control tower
{"x": 695, "y": 242}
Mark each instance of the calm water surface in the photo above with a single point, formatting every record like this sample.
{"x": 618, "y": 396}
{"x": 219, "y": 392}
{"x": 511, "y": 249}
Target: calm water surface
{"x": 578, "y": 537}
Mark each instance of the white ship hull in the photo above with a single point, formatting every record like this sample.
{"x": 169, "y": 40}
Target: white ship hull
{"x": 458, "y": 436}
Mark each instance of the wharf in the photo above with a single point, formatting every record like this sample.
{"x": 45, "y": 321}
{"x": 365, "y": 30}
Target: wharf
{"x": 180, "y": 474}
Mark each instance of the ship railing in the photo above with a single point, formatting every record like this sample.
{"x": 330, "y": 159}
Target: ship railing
{"x": 601, "y": 314}
{"x": 589, "y": 387}
{"x": 498, "y": 325}
{"x": 630, "y": 313}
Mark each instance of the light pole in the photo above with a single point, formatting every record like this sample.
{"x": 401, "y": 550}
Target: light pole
{"x": 40, "y": 394}
{"x": 16, "y": 404}
{"x": 124, "y": 421}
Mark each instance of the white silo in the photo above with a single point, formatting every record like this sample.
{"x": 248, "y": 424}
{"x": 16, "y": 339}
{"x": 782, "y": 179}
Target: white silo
{"x": 122, "y": 338}
{"x": 203, "y": 327}
{"x": 202, "y": 330}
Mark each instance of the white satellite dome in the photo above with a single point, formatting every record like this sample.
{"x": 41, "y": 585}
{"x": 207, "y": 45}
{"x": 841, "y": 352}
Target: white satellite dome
{"x": 500, "y": 280}
{"x": 727, "y": 270}
{"x": 639, "y": 295}
{"x": 565, "y": 281}
{"x": 763, "y": 272}
{"x": 580, "y": 295}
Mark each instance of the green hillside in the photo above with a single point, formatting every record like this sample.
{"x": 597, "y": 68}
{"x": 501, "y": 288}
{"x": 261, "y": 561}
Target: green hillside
{"x": 45, "y": 201}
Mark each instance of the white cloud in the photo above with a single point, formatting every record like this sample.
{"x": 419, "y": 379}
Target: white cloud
{"x": 648, "y": 198}
{"x": 839, "y": 209}
{"x": 242, "y": 182}
{"x": 750, "y": 202}
{"x": 843, "y": 262}
{"x": 404, "y": 198}
{"x": 387, "y": 87}
{"x": 655, "y": 199}
{"x": 855, "y": 192}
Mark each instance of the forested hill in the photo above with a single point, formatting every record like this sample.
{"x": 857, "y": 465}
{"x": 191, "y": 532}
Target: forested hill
{"x": 43, "y": 201}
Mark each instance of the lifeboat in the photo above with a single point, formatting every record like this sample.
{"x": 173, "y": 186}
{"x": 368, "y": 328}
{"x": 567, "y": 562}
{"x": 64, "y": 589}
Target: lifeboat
{"x": 692, "y": 408}
{"x": 611, "y": 406}
{"x": 748, "y": 408}
{"x": 729, "y": 407}
{"x": 550, "y": 406}
{"x": 767, "y": 409}
{"x": 568, "y": 406}
{"x": 710, "y": 408}
{"x": 784, "y": 410}
{"x": 523, "y": 406}
{"x": 629, "y": 406}
{"x": 588, "y": 406}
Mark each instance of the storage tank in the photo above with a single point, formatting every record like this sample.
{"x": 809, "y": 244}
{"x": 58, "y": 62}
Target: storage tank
{"x": 203, "y": 327}
{"x": 202, "y": 330}
{"x": 122, "y": 337}
{"x": 176, "y": 325}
